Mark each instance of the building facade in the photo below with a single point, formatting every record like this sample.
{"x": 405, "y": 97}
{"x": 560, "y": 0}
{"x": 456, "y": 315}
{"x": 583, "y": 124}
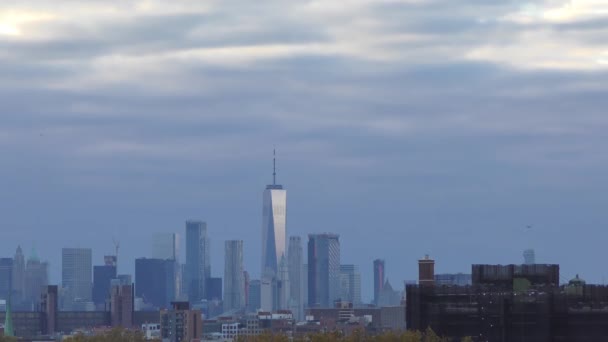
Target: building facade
{"x": 18, "y": 278}
{"x": 181, "y": 324}
{"x": 6, "y": 278}
{"x": 76, "y": 276}
{"x": 323, "y": 269}
{"x": 296, "y": 277}
{"x": 234, "y": 282}
{"x": 350, "y": 284}
{"x": 198, "y": 263}
{"x": 102, "y": 278}
{"x": 379, "y": 278}
{"x": 155, "y": 281}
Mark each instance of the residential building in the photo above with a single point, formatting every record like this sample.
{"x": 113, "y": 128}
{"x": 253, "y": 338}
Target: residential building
{"x": 180, "y": 323}
{"x": 198, "y": 263}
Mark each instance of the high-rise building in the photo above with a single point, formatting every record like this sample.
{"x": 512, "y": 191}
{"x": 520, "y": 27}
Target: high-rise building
{"x": 426, "y": 271}
{"x": 283, "y": 286}
{"x": 49, "y": 305}
{"x": 274, "y": 238}
{"x": 122, "y": 306}
{"x": 102, "y": 278}
{"x": 155, "y": 281}
{"x": 234, "y": 284}
{"x": 214, "y": 288}
{"x": 379, "y": 278}
{"x": 296, "y": 277}
{"x": 6, "y": 278}
{"x": 198, "y": 266}
{"x": 166, "y": 246}
{"x": 36, "y": 277}
{"x": 529, "y": 257}
{"x": 18, "y": 277}
{"x": 254, "y": 300}
{"x": 323, "y": 270}
{"x": 350, "y": 284}
{"x": 76, "y": 275}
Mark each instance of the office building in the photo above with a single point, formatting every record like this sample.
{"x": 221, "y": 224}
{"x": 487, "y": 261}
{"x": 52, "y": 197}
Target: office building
{"x": 350, "y": 284}
{"x": 36, "y": 277}
{"x": 254, "y": 300}
{"x": 283, "y": 287}
{"x": 102, "y": 278}
{"x": 453, "y": 279}
{"x": 181, "y": 324}
{"x": 426, "y": 271}
{"x": 274, "y": 239}
{"x": 76, "y": 276}
{"x": 529, "y": 257}
{"x": 18, "y": 279}
{"x": 198, "y": 263}
{"x": 214, "y": 288}
{"x": 234, "y": 283}
{"x": 49, "y": 305}
{"x": 379, "y": 278}
{"x": 296, "y": 277}
{"x": 155, "y": 281}
{"x": 6, "y": 278}
{"x": 323, "y": 269}
{"x": 165, "y": 246}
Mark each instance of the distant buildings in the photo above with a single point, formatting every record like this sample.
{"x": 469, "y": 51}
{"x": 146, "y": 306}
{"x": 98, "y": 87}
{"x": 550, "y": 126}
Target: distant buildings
{"x": 254, "y": 300}
{"x": 122, "y": 306}
{"x": 529, "y": 257}
{"x": 198, "y": 263}
{"x": 296, "y": 276}
{"x": 426, "y": 271}
{"x": 76, "y": 277}
{"x": 180, "y": 323}
{"x": 214, "y": 288}
{"x": 155, "y": 281}
{"x": 234, "y": 284}
{"x": 36, "y": 277}
{"x": 102, "y": 278}
{"x": 6, "y": 278}
{"x": 350, "y": 284}
{"x": 453, "y": 279}
{"x": 274, "y": 240}
{"x": 388, "y": 296}
{"x": 323, "y": 269}
{"x": 379, "y": 278}
{"x": 18, "y": 286}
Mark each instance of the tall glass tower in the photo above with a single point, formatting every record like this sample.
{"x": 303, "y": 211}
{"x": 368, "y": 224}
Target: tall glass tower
{"x": 274, "y": 238}
{"x": 323, "y": 270}
{"x": 198, "y": 269}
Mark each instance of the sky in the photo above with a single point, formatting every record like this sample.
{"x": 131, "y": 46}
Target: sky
{"x": 409, "y": 127}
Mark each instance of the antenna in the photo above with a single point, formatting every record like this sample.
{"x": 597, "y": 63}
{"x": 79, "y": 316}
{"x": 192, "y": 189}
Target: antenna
{"x": 274, "y": 166}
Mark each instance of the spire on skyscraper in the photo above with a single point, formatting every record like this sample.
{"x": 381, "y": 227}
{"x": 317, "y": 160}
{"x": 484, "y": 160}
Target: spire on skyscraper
{"x": 274, "y": 166}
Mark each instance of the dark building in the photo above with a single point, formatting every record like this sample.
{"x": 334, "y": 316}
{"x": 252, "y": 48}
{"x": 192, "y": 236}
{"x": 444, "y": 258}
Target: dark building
{"x": 426, "y": 271}
{"x": 379, "y": 278}
{"x": 214, "y": 288}
{"x": 512, "y": 303}
{"x": 155, "y": 281}
{"x": 254, "y": 300}
{"x": 49, "y": 305}
{"x": 6, "y": 278}
{"x": 323, "y": 269}
{"x": 122, "y": 305}
{"x": 102, "y": 277}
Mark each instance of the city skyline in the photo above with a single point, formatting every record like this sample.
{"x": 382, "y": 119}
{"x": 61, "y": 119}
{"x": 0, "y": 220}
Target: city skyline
{"x": 406, "y": 127}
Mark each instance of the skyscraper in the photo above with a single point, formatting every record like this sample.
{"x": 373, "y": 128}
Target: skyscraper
{"x": 76, "y": 275}
{"x": 253, "y": 301}
{"x": 166, "y": 246}
{"x": 102, "y": 278}
{"x": 323, "y": 269}
{"x": 198, "y": 267}
{"x": 18, "y": 277}
{"x": 296, "y": 278}
{"x": 155, "y": 281}
{"x": 529, "y": 257}
{"x": 234, "y": 283}
{"x": 36, "y": 277}
{"x": 6, "y": 278}
{"x": 350, "y": 284}
{"x": 379, "y": 278}
{"x": 273, "y": 238}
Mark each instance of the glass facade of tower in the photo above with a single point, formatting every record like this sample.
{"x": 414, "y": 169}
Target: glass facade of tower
{"x": 155, "y": 281}
{"x": 77, "y": 275}
{"x": 198, "y": 268}
{"x": 350, "y": 284}
{"x": 273, "y": 229}
{"x": 379, "y": 278}
{"x": 323, "y": 270}
{"x": 234, "y": 282}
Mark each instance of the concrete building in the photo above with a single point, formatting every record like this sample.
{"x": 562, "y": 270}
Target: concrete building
{"x": 350, "y": 284}
{"x": 198, "y": 263}
{"x": 181, "y": 324}
{"x": 323, "y": 269}
{"x": 76, "y": 277}
{"x": 379, "y": 278}
{"x": 18, "y": 278}
{"x": 234, "y": 283}
{"x": 274, "y": 239}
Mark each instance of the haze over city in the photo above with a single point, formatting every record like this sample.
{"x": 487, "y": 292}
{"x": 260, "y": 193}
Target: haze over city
{"x": 406, "y": 127}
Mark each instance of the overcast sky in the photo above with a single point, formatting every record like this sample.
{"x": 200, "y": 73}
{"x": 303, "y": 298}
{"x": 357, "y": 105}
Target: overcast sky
{"x": 408, "y": 127}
